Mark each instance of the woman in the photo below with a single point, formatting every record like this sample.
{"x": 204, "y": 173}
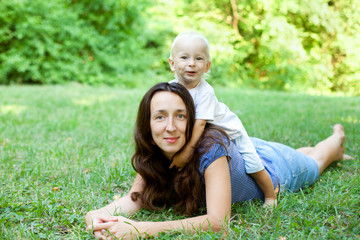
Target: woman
{"x": 215, "y": 177}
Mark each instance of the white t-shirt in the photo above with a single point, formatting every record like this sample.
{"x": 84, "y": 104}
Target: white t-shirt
{"x": 210, "y": 109}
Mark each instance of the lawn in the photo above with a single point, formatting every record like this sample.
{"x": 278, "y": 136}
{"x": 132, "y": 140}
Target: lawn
{"x": 65, "y": 150}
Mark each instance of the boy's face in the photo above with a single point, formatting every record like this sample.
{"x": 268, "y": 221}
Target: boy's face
{"x": 189, "y": 61}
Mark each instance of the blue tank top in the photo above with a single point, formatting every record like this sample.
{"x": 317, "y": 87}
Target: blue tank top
{"x": 243, "y": 186}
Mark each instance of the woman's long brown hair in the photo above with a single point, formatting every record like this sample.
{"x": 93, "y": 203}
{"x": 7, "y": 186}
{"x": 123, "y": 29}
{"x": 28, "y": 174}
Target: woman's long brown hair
{"x": 163, "y": 186}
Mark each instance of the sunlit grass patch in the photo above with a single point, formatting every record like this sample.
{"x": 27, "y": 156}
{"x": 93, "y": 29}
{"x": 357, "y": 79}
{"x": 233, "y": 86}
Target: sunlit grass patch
{"x": 65, "y": 150}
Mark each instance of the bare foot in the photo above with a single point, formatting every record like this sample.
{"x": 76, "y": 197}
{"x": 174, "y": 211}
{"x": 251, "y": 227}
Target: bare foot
{"x": 339, "y": 129}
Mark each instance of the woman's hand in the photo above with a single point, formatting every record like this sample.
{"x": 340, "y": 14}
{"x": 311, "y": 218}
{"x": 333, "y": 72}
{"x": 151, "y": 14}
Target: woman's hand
{"x": 105, "y": 226}
{"x": 123, "y": 205}
{"x": 96, "y": 216}
{"x": 115, "y": 227}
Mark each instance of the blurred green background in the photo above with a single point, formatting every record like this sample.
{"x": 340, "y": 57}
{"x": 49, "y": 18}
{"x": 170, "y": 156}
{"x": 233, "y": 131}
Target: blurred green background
{"x": 291, "y": 45}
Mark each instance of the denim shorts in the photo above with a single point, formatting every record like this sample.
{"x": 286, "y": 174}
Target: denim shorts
{"x": 294, "y": 169}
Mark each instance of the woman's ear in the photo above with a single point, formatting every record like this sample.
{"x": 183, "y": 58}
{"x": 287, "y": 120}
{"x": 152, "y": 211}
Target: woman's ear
{"x": 172, "y": 65}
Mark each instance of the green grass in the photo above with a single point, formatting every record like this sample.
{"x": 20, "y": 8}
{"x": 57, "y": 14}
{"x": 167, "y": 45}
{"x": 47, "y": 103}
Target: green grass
{"x": 79, "y": 139}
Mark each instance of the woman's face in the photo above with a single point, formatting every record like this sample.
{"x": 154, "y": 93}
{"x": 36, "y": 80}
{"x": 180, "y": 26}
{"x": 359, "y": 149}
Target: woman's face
{"x": 168, "y": 118}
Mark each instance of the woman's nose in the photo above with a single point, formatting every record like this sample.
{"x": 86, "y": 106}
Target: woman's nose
{"x": 170, "y": 126}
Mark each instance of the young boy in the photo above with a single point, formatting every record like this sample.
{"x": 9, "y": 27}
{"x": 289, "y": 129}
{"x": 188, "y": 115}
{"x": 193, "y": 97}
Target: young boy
{"x": 190, "y": 60}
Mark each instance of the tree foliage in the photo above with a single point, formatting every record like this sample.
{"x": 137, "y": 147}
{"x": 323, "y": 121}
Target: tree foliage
{"x": 75, "y": 40}
{"x": 286, "y": 45}
{"x": 310, "y": 44}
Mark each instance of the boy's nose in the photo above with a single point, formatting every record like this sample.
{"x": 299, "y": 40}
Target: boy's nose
{"x": 191, "y": 62}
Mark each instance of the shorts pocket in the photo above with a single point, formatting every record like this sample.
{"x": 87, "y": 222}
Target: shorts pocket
{"x": 297, "y": 166}
{"x": 284, "y": 187}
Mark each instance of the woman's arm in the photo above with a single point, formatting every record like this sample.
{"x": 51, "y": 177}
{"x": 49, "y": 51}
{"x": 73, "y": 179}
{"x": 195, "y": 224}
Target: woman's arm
{"x": 218, "y": 203}
{"x": 122, "y": 205}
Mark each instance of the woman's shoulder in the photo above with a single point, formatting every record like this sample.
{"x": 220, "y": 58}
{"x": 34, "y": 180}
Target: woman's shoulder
{"x": 215, "y": 133}
{"x": 213, "y": 145}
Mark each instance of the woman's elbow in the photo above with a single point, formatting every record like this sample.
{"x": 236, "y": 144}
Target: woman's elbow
{"x": 218, "y": 223}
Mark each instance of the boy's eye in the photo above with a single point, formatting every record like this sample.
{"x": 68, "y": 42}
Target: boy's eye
{"x": 183, "y": 57}
{"x": 199, "y": 58}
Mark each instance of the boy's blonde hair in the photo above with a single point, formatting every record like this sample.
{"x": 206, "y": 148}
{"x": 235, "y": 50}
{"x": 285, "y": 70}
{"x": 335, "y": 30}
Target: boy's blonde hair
{"x": 191, "y": 34}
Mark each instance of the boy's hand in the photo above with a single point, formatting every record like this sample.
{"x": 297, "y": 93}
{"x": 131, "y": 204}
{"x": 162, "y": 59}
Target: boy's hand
{"x": 181, "y": 159}
{"x": 270, "y": 203}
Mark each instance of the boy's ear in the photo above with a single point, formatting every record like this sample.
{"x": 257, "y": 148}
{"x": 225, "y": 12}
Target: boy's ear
{"x": 208, "y": 66}
{"x": 172, "y": 64}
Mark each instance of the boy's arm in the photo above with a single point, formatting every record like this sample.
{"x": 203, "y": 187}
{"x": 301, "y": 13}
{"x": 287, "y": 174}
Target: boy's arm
{"x": 261, "y": 177}
{"x": 263, "y": 180}
{"x": 183, "y": 157}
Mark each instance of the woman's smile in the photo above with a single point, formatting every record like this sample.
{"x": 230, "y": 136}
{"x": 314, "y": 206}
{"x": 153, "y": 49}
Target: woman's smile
{"x": 171, "y": 139}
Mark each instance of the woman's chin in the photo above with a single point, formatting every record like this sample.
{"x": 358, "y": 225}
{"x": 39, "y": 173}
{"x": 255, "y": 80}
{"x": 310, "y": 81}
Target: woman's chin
{"x": 169, "y": 154}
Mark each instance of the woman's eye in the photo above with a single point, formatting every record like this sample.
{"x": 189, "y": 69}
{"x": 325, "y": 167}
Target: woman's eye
{"x": 181, "y": 116}
{"x": 159, "y": 117}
